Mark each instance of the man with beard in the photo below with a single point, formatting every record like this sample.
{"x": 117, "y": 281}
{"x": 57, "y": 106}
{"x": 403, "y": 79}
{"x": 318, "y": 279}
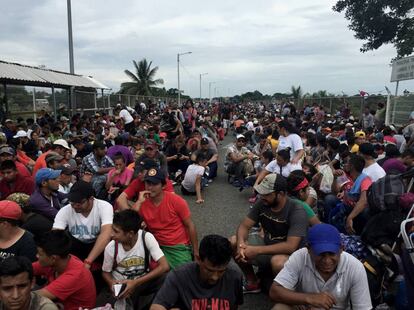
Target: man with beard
{"x": 168, "y": 218}
{"x": 322, "y": 276}
{"x": 209, "y": 283}
{"x": 284, "y": 224}
{"x": 88, "y": 220}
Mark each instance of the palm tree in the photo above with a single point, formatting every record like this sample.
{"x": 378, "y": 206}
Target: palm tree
{"x": 296, "y": 92}
{"x": 143, "y": 81}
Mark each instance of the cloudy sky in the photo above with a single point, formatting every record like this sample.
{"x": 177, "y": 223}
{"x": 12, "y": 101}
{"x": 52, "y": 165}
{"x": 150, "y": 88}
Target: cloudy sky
{"x": 243, "y": 45}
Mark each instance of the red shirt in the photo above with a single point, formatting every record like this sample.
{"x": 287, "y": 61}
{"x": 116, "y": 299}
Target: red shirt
{"x": 165, "y": 221}
{"x": 136, "y": 186}
{"x": 22, "y": 169}
{"x": 75, "y": 287}
{"x": 40, "y": 162}
{"x": 21, "y": 185}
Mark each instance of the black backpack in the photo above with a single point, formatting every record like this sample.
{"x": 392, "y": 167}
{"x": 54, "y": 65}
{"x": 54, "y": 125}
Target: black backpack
{"x": 146, "y": 254}
{"x": 384, "y": 193}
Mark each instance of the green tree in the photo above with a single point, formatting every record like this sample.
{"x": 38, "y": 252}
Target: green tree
{"x": 296, "y": 92}
{"x": 381, "y": 22}
{"x": 143, "y": 82}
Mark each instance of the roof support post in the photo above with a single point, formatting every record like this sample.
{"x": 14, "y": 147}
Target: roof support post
{"x": 54, "y": 104}
{"x": 5, "y": 104}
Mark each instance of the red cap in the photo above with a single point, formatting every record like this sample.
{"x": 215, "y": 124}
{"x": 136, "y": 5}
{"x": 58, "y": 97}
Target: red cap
{"x": 10, "y": 210}
{"x": 163, "y": 134}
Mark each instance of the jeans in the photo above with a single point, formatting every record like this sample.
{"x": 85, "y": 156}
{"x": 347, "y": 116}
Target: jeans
{"x": 213, "y": 170}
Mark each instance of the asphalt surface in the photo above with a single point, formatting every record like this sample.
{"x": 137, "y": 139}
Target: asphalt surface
{"x": 223, "y": 209}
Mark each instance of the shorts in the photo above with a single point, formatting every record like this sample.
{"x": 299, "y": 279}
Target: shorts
{"x": 262, "y": 261}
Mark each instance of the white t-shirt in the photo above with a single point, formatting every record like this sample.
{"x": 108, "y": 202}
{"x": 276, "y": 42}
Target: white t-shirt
{"x": 131, "y": 264}
{"x": 85, "y": 229}
{"x": 293, "y": 141}
{"x": 126, "y": 116}
{"x": 374, "y": 171}
{"x": 191, "y": 175}
{"x": 273, "y": 167}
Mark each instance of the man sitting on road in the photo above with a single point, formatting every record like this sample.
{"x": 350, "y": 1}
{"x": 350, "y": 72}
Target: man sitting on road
{"x": 322, "y": 276}
{"x": 239, "y": 159}
{"x": 16, "y": 282}
{"x": 127, "y": 259}
{"x": 131, "y": 193}
{"x": 210, "y": 154}
{"x": 168, "y": 218}
{"x": 209, "y": 283}
{"x": 284, "y": 224}
{"x": 69, "y": 282}
{"x": 13, "y": 181}
{"x": 88, "y": 220}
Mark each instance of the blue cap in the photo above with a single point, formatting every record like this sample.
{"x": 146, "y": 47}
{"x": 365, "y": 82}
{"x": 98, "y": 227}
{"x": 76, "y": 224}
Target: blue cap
{"x": 324, "y": 238}
{"x": 45, "y": 174}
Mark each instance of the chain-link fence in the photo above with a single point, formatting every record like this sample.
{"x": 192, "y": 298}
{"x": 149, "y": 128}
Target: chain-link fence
{"x": 400, "y": 109}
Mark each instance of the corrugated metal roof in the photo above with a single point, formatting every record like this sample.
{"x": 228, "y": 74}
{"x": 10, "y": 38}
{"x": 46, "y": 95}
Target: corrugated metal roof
{"x": 28, "y": 74}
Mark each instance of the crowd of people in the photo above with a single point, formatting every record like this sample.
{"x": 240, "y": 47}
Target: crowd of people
{"x": 95, "y": 206}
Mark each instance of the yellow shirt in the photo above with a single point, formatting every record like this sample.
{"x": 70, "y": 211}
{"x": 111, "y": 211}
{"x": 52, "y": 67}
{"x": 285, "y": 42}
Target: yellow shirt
{"x": 355, "y": 148}
{"x": 273, "y": 142}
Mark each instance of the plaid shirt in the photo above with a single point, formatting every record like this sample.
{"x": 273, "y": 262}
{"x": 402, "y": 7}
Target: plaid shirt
{"x": 90, "y": 163}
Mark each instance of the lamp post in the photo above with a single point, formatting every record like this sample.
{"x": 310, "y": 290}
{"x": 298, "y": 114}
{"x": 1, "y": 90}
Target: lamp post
{"x": 178, "y": 74}
{"x": 201, "y": 74}
{"x": 209, "y": 90}
{"x": 71, "y": 62}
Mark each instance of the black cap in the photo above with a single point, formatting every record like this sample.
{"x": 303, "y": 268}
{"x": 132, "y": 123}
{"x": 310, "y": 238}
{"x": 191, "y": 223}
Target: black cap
{"x": 146, "y": 164}
{"x": 368, "y": 149}
{"x": 204, "y": 141}
{"x": 80, "y": 190}
{"x": 154, "y": 175}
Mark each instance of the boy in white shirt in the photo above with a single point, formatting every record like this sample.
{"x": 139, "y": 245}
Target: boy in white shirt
{"x": 193, "y": 179}
{"x": 127, "y": 260}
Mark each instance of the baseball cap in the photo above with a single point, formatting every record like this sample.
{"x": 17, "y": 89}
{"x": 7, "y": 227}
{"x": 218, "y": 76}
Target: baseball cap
{"x": 324, "y": 238}
{"x": 154, "y": 175}
{"x": 8, "y": 150}
{"x": 163, "y": 134}
{"x": 10, "y": 210}
{"x": 360, "y": 134}
{"x": 204, "y": 141}
{"x": 271, "y": 183}
{"x": 146, "y": 164}
{"x": 64, "y": 119}
{"x": 62, "y": 143}
{"x": 67, "y": 169}
{"x": 151, "y": 143}
{"x": 367, "y": 149}
{"x": 45, "y": 174}
{"x": 240, "y": 136}
{"x": 20, "y": 134}
{"x": 389, "y": 140}
{"x": 80, "y": 190}
{"x": 8, "y": 121}
{"x": 53, "y": 157}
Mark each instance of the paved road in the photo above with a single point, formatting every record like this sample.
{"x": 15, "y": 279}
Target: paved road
{"x": 222, "y": 211}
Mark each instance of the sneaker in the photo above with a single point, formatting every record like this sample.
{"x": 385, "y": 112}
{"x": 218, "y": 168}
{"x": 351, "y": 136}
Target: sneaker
{"x": 210, "y": 180}
{"x": 251, "y": 288}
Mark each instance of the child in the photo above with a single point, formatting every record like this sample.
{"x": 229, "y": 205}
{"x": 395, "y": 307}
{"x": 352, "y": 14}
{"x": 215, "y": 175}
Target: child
{"x": 126, "y": 259}
{"x": 193, "y": 180}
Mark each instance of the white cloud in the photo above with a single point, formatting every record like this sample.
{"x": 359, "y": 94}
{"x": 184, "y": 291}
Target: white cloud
{"x": 243, "y": 45}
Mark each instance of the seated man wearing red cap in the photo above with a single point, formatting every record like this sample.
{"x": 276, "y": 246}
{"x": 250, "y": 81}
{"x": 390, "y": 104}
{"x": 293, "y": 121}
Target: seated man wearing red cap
{"x": 14, "y": 241}
{"x": 322, "y": 276}
{"x": 131, "y": 193}
{"x": 168, "y": 218}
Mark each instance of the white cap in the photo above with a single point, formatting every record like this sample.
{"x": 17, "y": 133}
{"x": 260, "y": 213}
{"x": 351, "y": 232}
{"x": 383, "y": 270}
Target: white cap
{"x": 62, "y": 143}
{"x": 64, "y": 119}
{"x": 240, "y": 137}
{"x": 20, "y": 134}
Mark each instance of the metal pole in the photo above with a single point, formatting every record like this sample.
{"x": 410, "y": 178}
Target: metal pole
{"x": 178, "y": 75}
{"x": 34, "y": 104}
{"x": 54, "y": 104}
{"x": 209, "y": 92}
{"x": 395, "y": 101}
{"x": 103, "y": 99}
{"x": 71, "y": 62}
{"x": 200, "y": 87}
{"x": 96, "y": 103}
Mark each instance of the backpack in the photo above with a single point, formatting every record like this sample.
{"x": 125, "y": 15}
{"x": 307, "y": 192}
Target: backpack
{"x": 384, "y": 193}
{"x": 146, "y": 254}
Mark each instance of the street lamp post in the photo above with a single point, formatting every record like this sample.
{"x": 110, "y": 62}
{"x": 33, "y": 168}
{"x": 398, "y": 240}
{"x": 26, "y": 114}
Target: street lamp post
{"x": 201, "y": 74}
{"x": 71, "y": 62}
{"x": 178, "y": 74}
{"x": 209, "y": 90}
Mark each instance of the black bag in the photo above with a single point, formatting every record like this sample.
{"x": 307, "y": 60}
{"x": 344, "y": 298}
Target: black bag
{"x": 381, "y": 228}
{"x": 384, "y": 193}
